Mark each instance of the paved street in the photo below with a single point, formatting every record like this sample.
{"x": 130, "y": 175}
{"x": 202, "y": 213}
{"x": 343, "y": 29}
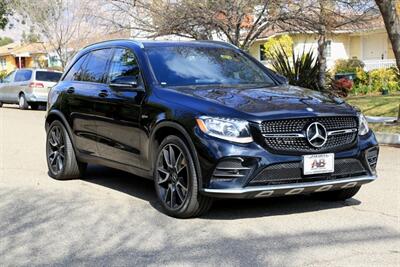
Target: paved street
{"x": 112, "y": 218}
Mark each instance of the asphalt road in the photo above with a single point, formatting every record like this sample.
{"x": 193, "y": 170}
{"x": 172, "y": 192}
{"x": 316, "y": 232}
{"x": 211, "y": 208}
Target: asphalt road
{"x": 112, "y": 218}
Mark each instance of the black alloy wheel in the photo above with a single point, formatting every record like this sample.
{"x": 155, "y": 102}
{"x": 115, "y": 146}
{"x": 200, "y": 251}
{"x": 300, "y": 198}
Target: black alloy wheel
{"x": 176, "y": 181}
{"x": 56, "y": 150}
{"x": 172, "y": 179}
{"x": 61, "y": 160}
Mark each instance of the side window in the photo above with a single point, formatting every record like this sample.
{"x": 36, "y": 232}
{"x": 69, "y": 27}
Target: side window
{"x": 74, "y": 72}
{"x": 124, "y": 67}
{"x": 23, "y": 75}
{"x": 95, "y": 70}
{"x": 9, "y": 78}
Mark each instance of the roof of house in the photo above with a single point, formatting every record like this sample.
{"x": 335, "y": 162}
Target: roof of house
{"x": 15, "y": 49}
{"x": 374, "y": 24}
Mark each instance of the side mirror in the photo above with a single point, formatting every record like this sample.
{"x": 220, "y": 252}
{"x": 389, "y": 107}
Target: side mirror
{"x": 126, "y": 82}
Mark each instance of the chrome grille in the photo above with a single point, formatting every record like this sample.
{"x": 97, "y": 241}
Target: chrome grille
{"x": 288, "y": 136}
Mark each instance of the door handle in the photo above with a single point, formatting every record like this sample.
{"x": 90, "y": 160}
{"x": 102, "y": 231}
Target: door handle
{"x": 71, "y": 90}
{"x": 103, "y": 93}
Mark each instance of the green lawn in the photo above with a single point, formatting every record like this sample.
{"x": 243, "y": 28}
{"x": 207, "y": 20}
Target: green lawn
{"x": 387, "y": 106}
{"x": 385, "y": 128}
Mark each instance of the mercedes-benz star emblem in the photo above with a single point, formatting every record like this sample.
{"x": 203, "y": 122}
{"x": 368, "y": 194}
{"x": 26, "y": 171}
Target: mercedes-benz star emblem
{"x": 316, "y": 134}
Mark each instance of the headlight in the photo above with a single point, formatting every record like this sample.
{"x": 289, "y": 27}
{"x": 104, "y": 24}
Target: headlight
{"x": 363, "y": 125}
{"x": 227, "y": 129}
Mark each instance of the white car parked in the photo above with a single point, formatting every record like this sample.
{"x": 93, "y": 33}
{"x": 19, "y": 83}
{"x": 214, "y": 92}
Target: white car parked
{"x": 28, "y": 87}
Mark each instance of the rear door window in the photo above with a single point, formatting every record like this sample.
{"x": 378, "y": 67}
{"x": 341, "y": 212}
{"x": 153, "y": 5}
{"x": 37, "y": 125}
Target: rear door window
{"x": 48, "y": 76}
{"x": 95, "y": 69}
{"x": 23, "y": 75}
{"x": 75, "y": 71}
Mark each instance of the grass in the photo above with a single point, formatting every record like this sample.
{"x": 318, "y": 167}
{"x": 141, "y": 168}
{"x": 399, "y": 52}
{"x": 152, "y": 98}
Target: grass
{"x": 385, "y": 128}
{"x": 386, "y": 106}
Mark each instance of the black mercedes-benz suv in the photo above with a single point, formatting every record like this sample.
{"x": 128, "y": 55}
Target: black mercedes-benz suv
{"x": 204, "y": 120}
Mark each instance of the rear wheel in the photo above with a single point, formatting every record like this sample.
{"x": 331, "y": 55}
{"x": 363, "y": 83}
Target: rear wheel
{"x": 23, "y": 104}
{"x": 337, "y": 195}
{"x": 61, "y": 159}
{"x": 176, "y": 180}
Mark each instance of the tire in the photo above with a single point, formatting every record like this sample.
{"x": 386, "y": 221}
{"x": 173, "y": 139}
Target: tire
{"x": 34, "y": 106}
{"x": 23, "y": 104}
{"x": 61, "y": 159}
{"x": 1, "y": 104}
{"x": 173, "y": 175}
{"x": 338, "y": 195}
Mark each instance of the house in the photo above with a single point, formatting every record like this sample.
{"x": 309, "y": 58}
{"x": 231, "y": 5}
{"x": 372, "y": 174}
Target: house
{"x": 370, "y": 44}
{"x": 14, "y": 56}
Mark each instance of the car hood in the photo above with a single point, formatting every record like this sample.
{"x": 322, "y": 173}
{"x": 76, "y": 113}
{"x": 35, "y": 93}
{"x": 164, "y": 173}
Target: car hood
{"x": 272, "y": 100}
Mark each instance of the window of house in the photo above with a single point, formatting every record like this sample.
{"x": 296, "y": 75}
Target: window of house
{"x": 124, "y": 66}
{"x": 328, "y": 48}
{"x": 263, "y": 55}
{"x": 3, "y": 63}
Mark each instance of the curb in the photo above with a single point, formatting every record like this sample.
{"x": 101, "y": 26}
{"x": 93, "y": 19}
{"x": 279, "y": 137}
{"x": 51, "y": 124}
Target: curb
{"x": 387, "y": 138}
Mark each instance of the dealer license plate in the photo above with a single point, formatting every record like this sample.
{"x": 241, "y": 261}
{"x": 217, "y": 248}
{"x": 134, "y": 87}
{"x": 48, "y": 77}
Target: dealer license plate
{"x": 319, "y": 163}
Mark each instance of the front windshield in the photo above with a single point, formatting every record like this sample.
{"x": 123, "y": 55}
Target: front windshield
{"x": 189, "y": 65}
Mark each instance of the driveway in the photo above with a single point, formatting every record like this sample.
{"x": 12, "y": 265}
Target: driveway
{"x": 112, "y": 218}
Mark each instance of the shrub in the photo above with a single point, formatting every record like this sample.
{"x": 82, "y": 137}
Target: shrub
{"x": 342, "y": 87}
{"x": 3, "y": 74}
{"x": 380, "y": 79}
{"x": 274, "y": 44}
{"x": 300, "y": 69}
{"x": 348, "y": 65}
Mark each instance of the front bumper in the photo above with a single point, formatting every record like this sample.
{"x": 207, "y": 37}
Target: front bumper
{"x": 256, "y": 159}
{"x": 288, "y": 189}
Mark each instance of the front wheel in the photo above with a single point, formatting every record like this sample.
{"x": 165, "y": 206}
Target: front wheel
{"x": 60, "y": 154}
{"x": 176, "y": 180}
{"x": 337, "y": 195}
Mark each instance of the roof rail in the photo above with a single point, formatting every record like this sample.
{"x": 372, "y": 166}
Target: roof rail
{"x": 140, "y": 44}
{"x": 220, "y": 42}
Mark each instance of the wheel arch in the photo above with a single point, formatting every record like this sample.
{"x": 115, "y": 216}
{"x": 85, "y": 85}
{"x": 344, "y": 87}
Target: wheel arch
{"x": 166, "y": 128}
{"x": 54, "y": 115}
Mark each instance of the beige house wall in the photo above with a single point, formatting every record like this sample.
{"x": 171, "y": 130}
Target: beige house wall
{"x": 362, "y": 46}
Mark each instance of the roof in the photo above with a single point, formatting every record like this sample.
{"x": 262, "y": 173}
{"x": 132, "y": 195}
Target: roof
{"x": 376, "y": 23}
{"x": 25, "y": 50}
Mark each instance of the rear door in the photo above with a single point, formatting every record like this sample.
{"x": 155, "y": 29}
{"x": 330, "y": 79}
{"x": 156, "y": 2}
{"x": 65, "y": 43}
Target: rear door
{"x": 119, "y": 109}
{"x": 81, "y": 86}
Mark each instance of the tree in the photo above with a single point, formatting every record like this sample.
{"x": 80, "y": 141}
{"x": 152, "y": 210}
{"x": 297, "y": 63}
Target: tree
{"x": 4, "y": 13}
{"x": 31, "y": 37}
{"x": 324, "y": 17}
{"x": 390, "y": 10}
{"x": 239, "y": 22}
{"x": 5, "y": 41}
{"x": 62, "y": 23}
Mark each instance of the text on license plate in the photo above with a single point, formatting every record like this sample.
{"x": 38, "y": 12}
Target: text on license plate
{"x": 319, "y": 163}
